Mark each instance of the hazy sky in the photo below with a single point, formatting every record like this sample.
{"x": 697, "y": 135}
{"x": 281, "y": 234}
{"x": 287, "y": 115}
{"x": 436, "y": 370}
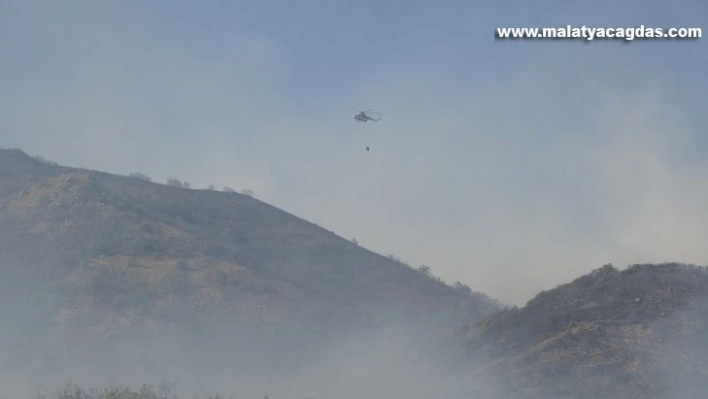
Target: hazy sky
{"x": 509, "y": 166}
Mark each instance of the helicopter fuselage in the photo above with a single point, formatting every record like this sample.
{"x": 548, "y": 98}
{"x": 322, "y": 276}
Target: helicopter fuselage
{"x": 361, "y": 117}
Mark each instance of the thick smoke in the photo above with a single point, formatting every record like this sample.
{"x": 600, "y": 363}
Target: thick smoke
{"x": 402, "y": 361}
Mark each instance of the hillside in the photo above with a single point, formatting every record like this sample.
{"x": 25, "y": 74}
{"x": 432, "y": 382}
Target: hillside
{"x": 127, "y": 280}
{"x": 635, "y": 333}
{"x": 99, "y": 256}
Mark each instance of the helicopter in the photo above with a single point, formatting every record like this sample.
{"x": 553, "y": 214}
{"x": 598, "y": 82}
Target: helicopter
{"x": 361, "y": 116}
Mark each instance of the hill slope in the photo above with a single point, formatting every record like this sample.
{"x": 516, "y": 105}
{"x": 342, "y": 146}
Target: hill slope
{"x": 99, "y": 269}
{"x": 105, "y": 255}
{"x": 636, "y": 333}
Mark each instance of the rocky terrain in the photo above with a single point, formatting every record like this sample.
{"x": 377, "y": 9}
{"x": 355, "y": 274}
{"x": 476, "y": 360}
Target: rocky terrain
{"x": 635, "y": 333}
{"x": 107, "y": 264}
{"x": 125, "y": 279}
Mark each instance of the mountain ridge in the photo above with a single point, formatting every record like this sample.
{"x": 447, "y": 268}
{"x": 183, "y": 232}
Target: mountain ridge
{"x": 98, "y": 268}
{"x": 86, "y": 218}
{"x": 634, "y": 333}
